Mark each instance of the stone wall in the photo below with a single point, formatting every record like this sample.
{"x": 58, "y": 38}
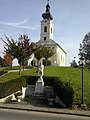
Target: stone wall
{"x": 31, "y": 88}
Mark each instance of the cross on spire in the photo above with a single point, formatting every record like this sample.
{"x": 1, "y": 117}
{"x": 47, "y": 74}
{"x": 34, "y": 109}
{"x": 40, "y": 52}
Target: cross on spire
{"x": 47, "y": 1}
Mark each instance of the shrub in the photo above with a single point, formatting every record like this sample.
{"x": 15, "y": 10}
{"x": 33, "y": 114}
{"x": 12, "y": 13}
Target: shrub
{"x": 28, "y": 67}
{"x": 2, "y": 72}
{"x": 48, "y": 81}
{"x": 33, "y": 62}
{"x": 46, "y": 62}
{"x": 64, "y": 91}
{"x": 11, "y": 86}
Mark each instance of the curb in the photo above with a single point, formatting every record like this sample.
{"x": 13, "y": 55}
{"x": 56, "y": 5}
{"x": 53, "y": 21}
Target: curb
{"x": 46, "y": 111}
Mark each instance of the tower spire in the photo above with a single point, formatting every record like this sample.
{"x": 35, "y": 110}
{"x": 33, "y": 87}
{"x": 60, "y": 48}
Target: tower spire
{"x": 47, "y": 14}
{"x": 47, "y": 1}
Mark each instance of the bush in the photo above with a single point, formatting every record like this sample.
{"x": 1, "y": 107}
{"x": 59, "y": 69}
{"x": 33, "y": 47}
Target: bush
{"x": 28, "y": 67}
{"x": 48, "y": 81}
{"x": 73, "y": 64}
{"x": 46, "y": 62}
{"x": 2, "y": 72}
{"x": 64, "y": 91}
{"x": 33, "y": 62}
{"x": 11, "y": 86}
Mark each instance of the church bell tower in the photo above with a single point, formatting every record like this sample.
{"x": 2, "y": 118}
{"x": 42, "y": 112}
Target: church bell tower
{"x": 46, "y": 25}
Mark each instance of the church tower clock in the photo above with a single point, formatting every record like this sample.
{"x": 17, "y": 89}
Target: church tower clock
{"x": 46, "y": 25}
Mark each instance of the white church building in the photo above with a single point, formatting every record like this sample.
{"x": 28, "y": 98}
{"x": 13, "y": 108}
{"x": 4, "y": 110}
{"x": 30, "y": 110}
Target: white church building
{"x": 46, "y": 37}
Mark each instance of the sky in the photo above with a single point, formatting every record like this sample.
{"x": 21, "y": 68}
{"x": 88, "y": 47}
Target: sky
{"x": 71, "y": 21}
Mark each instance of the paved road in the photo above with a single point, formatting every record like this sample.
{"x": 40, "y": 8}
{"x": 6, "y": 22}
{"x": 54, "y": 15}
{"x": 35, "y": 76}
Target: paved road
{"x": 25, "y": 115}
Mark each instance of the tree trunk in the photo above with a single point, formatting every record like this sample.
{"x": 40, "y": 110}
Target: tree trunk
{"x": 20, "y": 68}
{"x": 10, "y": 67}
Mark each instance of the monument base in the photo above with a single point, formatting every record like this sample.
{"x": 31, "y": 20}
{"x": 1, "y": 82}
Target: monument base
{"x": 39, "y": 87}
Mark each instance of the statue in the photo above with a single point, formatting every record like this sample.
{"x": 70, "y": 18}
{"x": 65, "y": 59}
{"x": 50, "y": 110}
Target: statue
{"x": 40, "y": 70}
{"x": 39, "y": 87}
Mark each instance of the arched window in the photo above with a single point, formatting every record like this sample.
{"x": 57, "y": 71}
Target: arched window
{"x": 45, "y": 29}
{"x": 61, "y": 57}
{"x": 44, "y": 38}
{"x": 51, "y": 30}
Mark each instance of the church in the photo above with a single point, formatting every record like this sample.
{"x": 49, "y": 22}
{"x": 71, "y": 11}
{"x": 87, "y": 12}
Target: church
{"x": 46, "y": 37}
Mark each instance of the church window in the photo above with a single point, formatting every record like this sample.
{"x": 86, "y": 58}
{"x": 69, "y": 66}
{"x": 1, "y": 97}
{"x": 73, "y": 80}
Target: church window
{"x": 51, "y": 30}
{"x": 63, "y": 60}
{"x": 44, "y": 38}
{"x": 61, "y": 57}
{"x": 45, "y": 29}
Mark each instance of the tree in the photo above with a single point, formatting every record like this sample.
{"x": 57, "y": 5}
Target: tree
{"x": 73, "y": 63}
{"x": 26, "y": 48}
{"x": 43, "y": 52}
{"x": 84, "y": 50}
{"x": 10, "y": 47}
{"x": 38, "y": 53}
{"x": 48, "y": 52}
{"x": 2, "y": 62}
{"x": 8, "y": 59}
{"x": 21, "y": 49}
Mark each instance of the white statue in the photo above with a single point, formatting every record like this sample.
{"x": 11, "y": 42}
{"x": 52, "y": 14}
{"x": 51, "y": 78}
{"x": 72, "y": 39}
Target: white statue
{"x": 39, "y": 87}
{"x": 40, "y": 70}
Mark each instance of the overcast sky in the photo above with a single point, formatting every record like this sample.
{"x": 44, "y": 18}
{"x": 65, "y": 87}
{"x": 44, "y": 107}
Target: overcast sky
{"x": 71, "y": 21}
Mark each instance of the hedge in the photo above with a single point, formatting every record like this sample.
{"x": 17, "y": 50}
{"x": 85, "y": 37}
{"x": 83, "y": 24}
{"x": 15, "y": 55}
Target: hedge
{"x": 2, "y": 72}
{"x": 63, "y": 89}
{"x": 11, "y": 86}
{"x": 48, "y": 81}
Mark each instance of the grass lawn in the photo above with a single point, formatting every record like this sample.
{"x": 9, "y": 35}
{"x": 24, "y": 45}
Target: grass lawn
{"x": 74, "y": 76}
{"x": 68, "y": 73}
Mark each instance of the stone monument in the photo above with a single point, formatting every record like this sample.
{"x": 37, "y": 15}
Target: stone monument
{"x": 39, "y": 87}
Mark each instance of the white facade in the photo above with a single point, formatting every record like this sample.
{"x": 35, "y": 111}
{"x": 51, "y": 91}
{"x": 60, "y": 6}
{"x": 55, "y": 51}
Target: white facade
{"x": 46, "y": 30}
{"x": 59, "y": 58}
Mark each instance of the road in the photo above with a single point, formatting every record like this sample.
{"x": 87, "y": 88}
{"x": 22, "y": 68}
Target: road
{"x": 28, "y": 115}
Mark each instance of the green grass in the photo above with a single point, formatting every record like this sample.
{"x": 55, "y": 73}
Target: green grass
{"x": 74, "y": 76}
{"x": 67, "y": 73}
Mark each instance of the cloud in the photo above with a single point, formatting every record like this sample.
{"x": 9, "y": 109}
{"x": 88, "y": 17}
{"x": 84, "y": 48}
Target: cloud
{"x": 28, "y": 27}
{"x": 19, "y": 24}
{"x": 14, "y": 23}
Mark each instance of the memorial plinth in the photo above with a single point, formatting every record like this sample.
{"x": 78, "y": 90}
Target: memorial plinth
{"x": 39, "y": 87}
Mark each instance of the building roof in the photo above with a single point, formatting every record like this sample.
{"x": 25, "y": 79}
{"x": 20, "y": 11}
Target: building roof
{"x": 50, "y": 42}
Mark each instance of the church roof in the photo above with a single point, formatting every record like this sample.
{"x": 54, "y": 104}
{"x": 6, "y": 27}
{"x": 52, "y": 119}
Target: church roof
{"x": 51, "y": 42}
{"x": 47, "y": 14}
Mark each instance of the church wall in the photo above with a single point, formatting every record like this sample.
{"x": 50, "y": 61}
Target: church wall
{"x": 61, "y": 56}
{"x": 53, "y": 59}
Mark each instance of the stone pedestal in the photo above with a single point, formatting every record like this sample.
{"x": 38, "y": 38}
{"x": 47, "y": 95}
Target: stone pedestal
{"x": 39, "y": 87}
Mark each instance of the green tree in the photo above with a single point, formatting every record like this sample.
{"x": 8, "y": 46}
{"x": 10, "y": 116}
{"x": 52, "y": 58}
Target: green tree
{"x": 73, "y": 63}
{"x": 48, "y": 52}
{"x": 26, "y": 48}
{"x": 21, "y": 49}
{"x": 84, "y": 50}
{"x": 43, "y": 52}
{"x": 38, "y": 53}
{"x": 10, "y": 47}
{"x": 2, "y": 62}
